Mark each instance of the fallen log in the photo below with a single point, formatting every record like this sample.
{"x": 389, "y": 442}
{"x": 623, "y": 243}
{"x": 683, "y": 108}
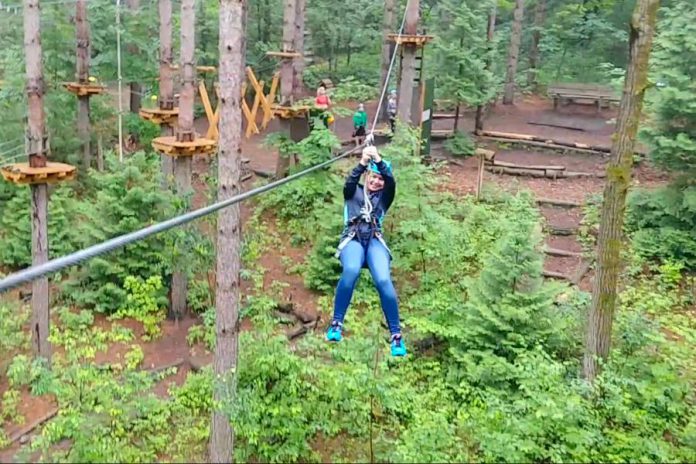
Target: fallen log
{"x": 563, "y": 231}
{"x": 516, "y": 171}
{"x": 548, "y": 146}
{"x": 560, "y": 126}
{"x": 534, "y": 138}
{"x": 521, "y": 166}
{"x": 296, "y": 332}
{"x": 562, "y": 253}
{"x": 29, "y": 428}
{"x": 554, "y": 202}
{"x": 584, "y": 269}
{"x": 555, "y": 275}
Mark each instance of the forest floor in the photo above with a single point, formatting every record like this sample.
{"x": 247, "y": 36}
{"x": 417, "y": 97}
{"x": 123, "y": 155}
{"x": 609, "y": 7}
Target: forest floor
{"x": 458, "y": 176}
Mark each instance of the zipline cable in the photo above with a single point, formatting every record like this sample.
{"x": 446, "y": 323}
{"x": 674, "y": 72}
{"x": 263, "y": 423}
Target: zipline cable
{"x": 54, "y": 265}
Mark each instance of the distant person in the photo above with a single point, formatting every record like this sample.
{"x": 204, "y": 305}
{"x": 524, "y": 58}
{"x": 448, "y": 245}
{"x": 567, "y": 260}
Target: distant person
{"x": 359, "y": 124}
{"x": 323, "y": 103}
{"x": 391, "y": 110}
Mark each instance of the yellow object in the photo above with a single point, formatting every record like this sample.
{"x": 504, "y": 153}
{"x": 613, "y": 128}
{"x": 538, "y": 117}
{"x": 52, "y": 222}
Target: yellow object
{"x": 92, "y": 79}
{"x": 153, "y": 97}
{"x": 330, "y": 119}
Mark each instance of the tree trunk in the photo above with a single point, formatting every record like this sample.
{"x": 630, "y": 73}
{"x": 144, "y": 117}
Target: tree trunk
{"x": 298, "y": 64}
{"x": 83, "y": 131}
{"x": 539, "y": 14}
{"x": 490, "y": 33}
{"x": 408, "y": 64}
{"x": 286, "y": 75}
{"x": 166, "y": 83}
{"x": 82, "y": 75}
{"x": 39, "y": 192}
{"x": 185, "y": 133}
{"x": 598, "y": 338}
{"x": 135, "y": 87}
{"x": 267, "y": 21}
{"x": 513, "y": 53}
{"x": 387, "y": 48}
{"x": 232, "y": 56}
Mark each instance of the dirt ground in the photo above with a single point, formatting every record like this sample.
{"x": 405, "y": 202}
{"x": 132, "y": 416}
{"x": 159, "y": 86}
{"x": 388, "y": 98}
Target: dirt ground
{"x": 459, "y": 177}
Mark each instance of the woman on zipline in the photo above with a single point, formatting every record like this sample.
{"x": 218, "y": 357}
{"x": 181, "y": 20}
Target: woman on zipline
{"x": 362, "y": 244}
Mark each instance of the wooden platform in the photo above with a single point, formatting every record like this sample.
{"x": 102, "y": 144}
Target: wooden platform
{"x": 411, "y": 39}
{"x": 84, "y": 90}
{"x": 594, "y": 93}
{"x": 290, "y": 112}
{"x": 23, "y": 174}
{"x": 159, "y": 116}
{"x": 169, "y": 146}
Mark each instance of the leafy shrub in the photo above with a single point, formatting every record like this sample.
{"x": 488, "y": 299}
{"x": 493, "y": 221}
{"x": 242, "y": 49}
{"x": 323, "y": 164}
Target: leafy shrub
{"x": 351, "y": 89}
{"x": 460, "y": 145}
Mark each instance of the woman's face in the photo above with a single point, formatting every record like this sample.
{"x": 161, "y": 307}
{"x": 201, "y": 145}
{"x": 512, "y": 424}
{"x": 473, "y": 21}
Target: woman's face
{"x": 375, "y": 182}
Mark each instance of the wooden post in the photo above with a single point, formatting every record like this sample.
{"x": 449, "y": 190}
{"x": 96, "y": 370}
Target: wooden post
{"x": 36, "y": 149}
{"x": 513, "y": 53}
{"x": 83, "y": 52}
{"x": 298, "y": 63}
{"x": 408, "y": 64}
{"x": 601, "y": 317}
{"x": 387, "y": 48}
{"x": 479, "y": 178}
{"x": 232, "y": 57}
{"x": 478, "y": 121}
{"x": 166, "y": 83}
{"x": 185, "y": 133}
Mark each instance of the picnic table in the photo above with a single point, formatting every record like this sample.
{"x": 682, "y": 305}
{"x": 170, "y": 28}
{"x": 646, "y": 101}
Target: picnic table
{"x": 598, "y": 94}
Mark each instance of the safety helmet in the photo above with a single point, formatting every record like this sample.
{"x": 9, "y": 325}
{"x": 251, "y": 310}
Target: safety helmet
{"x": 375, "y": 169}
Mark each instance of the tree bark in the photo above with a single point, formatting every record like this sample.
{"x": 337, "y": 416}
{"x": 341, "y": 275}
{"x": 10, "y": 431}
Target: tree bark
{"x": 166, "y": 83}
{"x": 39, "y": 192}
{"x": 298, "y": 63}
{"x": 387, "y": 48}
{"x": 408, "y": 64}
{"x": 232, "y": 58}
{"x": 286, "y": 67}
{"x": 287, "y": 81}
{"x": 82, "y": 75}
{"x": 490, "y": 33}
{"x": 135, "y": 87}
{"x": 598, "y": 337}
{"x": 513, "y": 53}
{"x": 539, "y": 15}
{"x": 185, "y": 133}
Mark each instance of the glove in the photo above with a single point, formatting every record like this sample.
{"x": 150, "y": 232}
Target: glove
{"x": 365, "y": 160}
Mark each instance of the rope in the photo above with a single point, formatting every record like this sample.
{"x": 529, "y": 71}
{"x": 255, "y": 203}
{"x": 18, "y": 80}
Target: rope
{"x": 386, "y": 80}
{"x": 369, "y": 140}
{"x": 57, "y": 264}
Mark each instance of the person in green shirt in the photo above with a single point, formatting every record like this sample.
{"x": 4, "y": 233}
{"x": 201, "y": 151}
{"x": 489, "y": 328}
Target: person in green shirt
{"x": 359, "y": 124}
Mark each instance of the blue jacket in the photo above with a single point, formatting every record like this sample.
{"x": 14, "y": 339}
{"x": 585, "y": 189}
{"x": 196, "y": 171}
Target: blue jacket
{"x": 354, "y": 201}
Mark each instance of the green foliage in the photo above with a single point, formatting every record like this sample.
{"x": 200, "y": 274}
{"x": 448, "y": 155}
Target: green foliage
{"x": 661, "y": 222}
{"x": 13, "y": 319}
{"x": 143, "y": 130}
{"x": 461, "y": 52}
{"x": 15, "y": 226}
{"x": 352, "y": 89}
{"x": 144, "y": 301}
{"x": 460, "y": 145}
{"x": 671, "y": 133}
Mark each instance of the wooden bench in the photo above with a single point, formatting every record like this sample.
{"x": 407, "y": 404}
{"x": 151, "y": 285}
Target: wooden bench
{"x": 598, "y": 94}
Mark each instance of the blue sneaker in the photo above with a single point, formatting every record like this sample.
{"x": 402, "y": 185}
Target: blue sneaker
{"x": 335, "y": 332}
{"x": 398, "y": 348}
